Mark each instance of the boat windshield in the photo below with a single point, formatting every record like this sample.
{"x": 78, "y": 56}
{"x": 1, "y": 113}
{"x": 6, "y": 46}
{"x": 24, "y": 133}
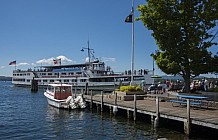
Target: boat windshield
{"x": 63, "y": 89}
{"x": 50, "y": 88}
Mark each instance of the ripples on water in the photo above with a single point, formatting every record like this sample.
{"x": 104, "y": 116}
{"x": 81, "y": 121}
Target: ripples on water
{"x": 26, "y": 115}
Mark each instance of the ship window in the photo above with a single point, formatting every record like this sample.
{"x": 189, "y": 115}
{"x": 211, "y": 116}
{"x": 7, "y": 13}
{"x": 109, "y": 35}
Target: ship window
{"x": 63, "y": 73}
{"x": 49, "y": 73}
{"x": 45, "y": 80}
{"x": 51, "y": 80}
{"x": 79, "y": 73}
{"x": 21, "y": 80}
{"x": 138, "y": 78}
{"x": 66, "y": 80}
{"x": 28, "y": 80}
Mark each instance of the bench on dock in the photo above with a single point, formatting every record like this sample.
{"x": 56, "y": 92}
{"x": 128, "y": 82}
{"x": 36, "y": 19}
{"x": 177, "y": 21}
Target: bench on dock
{"x": 184, "y": 102}
{"x": 197, "y": 101}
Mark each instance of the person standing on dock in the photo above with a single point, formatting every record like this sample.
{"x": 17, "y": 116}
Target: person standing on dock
{"x": 206, "y": 84}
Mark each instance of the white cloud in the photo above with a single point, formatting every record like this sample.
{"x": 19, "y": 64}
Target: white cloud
{"x": 106, "y": 59}
{"x": 2, "y": 67}
{"x": 45, "y": 61}
{"x": 33, "y": 64}
{"x": 23, "y": 64}
{"x": 64, "y": 60}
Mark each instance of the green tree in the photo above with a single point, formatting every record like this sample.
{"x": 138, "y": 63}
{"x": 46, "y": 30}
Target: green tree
{"x": 184, "y": 30}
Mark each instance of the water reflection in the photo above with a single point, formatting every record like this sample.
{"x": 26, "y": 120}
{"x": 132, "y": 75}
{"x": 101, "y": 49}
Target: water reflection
{"x": 64, "y": 123}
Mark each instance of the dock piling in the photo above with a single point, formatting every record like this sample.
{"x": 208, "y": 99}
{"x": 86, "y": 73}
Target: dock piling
{"x": 91, "y": 103}
{"x": 86, "y": 88}
{"x": 156, "y": 121}
{"x": 115, "y": 105}
{"x": 115, "y": 102}
{"x": 152, "y": 119}
{"x": 115, "y": 110}
{"x": 97, "y": 107}
{"x": 102, "y": 102}
{"x": 135, "y": 110}
{"x": 187, "y": 126}
{"x": 129, "y": 114}
{"x": 111, "y": 109}
{"x": 34, "y": 85}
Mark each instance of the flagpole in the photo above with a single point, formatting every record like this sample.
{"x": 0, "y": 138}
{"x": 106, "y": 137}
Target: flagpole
{"x": 15, "y": 65}
{"x": 132, "y": 61}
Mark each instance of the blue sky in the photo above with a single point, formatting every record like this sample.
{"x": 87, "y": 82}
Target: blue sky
{"x": 34, "y": 32}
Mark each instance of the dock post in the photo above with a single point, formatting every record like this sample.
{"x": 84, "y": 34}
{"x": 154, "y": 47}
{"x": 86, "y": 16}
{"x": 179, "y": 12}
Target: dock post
{"x": 152, "y": 119}
{"x": 91, "y": 103}
{"x": 34, "y": 85}
{"x": 97, "y": 107}
{"x": 86, "y": 88}
{"x": 115, "y": 105}
{"x": 87, "y": 91}
{"x": 129, "y": 115}
{"x": 187, "y": 126}
{"x": 135, "y": 110}
{"x": 111, "y": 109}
{"x": 115, "y": 102}
{"x": 156, "y": 121}
{"x": 102, "y": 102}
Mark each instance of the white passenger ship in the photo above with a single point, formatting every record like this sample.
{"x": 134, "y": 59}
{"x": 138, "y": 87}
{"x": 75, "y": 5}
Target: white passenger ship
{"x": 94, "y": 74}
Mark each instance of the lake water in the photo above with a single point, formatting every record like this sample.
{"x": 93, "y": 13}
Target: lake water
{"x": 25, "y": 115}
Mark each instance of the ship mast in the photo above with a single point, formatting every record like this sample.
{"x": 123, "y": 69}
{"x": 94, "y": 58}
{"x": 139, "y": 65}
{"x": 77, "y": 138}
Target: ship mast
{"x": 89, "y": 51}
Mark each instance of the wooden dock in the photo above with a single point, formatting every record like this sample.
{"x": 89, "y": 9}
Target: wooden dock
{"x": 158, "y": 107}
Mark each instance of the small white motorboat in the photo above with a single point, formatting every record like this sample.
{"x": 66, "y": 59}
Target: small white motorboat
{"x": 60, "y": 95}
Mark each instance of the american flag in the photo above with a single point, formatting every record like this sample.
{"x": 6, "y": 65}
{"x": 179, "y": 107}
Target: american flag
{"x": 12, "y": 63}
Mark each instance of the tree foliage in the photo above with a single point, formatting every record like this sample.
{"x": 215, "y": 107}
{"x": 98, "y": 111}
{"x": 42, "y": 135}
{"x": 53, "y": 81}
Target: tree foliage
{"x": 184, "y": 30}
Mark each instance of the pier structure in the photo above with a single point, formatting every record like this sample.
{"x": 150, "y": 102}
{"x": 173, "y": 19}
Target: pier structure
{"x": 157, "y": 107}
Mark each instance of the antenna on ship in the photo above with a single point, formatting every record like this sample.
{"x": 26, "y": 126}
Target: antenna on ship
{"x": 89, "y": 51}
